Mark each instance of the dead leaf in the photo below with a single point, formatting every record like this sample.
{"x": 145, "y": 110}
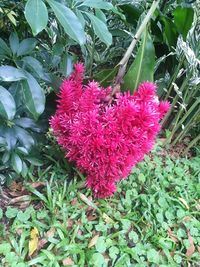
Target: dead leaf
{"x": 172, "y": 235}
{"x": 20, "y": 199}
{"x": 184, "y": 202}
{"x": 24, "y": 205}
{"x": 50, "y": 233}
{"x": 68, "y": 261}
{"x": 74, "y": 202}
{"x": 92, "y": 217}
{"x": 42, "y": 243}
{"x": 191, "y": 248}
{"x": 107, "y": 219}
{"x": 33, "y": 242}
{"x": 70, "y": 223}
{"x": 87, "y": 201}
{"x": 198, "y": 248}
{"x": 38, "y": 184}
{"x": 93, "y": 241}
{"x": 14, "y": 186}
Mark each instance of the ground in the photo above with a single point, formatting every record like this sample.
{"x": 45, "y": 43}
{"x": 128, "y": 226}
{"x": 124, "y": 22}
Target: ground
{"x": 152, "y": 220}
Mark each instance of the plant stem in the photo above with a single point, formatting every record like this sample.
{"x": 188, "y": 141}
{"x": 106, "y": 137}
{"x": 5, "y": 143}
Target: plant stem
{"x": 125, "y": 59}
{"x": 191, "y": 144}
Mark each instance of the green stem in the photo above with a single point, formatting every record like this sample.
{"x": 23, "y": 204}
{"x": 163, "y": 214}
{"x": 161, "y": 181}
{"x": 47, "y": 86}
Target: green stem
{"x": 127, "y": 55}
{"x": 174, "y": 77}
{"x": 174, "y": 102}
{"x": 191, "y": 144}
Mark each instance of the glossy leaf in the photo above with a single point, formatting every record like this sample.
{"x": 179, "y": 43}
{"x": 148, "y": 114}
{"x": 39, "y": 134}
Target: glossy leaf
{"x": 14, "y": 42}
{"x": 4, "y": 49}
{"x": 34, "y": 97}
{"x": 100, "y": 29}
{"x": 36, "y": 15}
{"x": 69, "y": 21}
{"x": 183, "y": 18}
{"x": 7, "y": 104}
{"x": 24, "y": 137}
{"x": 10, "y": 136}
{"x": 26, "y": 46}
{"x": 27, "y": 123}
{"x": 10, "y": 74}
{"x": 16, "y": 162}
{"x": 34, "y": 65}
{"x": 142, "y": 69}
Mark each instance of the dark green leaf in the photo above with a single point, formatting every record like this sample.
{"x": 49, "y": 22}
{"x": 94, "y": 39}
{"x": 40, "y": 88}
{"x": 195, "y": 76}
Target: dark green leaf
{"x": 14, "y": 42}
{"x": 10, "y": 137}
{"x": 132, "y": 13}
{"x": 69, "y": 21}
{"x": 97, "y": 4}
{"x": 142, "y": 68}
{"x": 105, "y": 77}
{"x": 183, "y": 18}
{"x": 10, "y": 74}
{"x": 16, "y": 163}
{"x": 34, "y": 161}
{"x": 7, "y": 104}
{"x": 100, "y": 29}
{"x": 66, "y": 65}
{"x": 24, "y": 137}
{"x": 34, "y": 65}
{"x": 33, "y": 95}
{"x": 16, "y": 91}
{"x": 27, "y": 123}
{"x": 26, "y": 46}
{"x": 170, "y": 32}
{"x": 4, "y": 49}
{"x": 6, "y": 157}
{"x": 37, "y": 15}
{"x": 24, "y": 170}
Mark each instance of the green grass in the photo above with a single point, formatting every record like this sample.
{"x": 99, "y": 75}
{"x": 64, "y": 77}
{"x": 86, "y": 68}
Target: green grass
{"x": 153, "y": 220}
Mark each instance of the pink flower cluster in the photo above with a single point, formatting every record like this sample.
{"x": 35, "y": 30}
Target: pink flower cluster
{"x": 106, "y": 140}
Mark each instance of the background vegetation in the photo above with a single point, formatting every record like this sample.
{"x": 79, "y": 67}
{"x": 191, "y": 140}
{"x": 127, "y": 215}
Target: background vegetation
{"x": 154, "y": 219}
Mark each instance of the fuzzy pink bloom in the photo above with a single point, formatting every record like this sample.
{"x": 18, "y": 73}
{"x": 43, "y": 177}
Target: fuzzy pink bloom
{"x": 106, "y": 141}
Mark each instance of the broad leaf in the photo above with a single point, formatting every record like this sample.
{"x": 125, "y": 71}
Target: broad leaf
{"x": 142, "y": 68}
{"x": 16, "y": 91}
{"x": 34, "y": 97}
{"x": 14, "y": 42}
{"x": 27, "y": 123}
{"x": 10, "y": 136}
{"x": 34, "y": 65}
{"x": 4, "y": 49}
{"x": 97, "y": 4}
{"x": 10, "y": 74}
{"x": 7, "y": 104}
{"x": 183, "y": 18}
{"x": 37, "y": 15}
{"x": 26, "y": 46}
{"x": 69, "y": 21}
{"x": 24, "y": 137}
{"x": 100, "y": 29}
{"x": 16, "y": 163}
{"x": 170, "y": 32}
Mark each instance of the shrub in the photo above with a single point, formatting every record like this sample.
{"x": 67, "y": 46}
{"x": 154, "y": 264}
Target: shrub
{"x": 106, "y": 137}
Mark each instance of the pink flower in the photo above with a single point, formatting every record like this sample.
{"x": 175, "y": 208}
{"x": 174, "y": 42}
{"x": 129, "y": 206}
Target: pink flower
{"x": 106, "y": 141}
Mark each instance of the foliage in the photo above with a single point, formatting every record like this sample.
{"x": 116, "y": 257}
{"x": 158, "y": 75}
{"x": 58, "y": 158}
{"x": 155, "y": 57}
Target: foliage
{"x": 32, "y": 67}
{"x": 152, "y": 220}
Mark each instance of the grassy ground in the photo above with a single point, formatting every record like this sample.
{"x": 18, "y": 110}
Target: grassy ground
{"x": 153, "y": 219}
